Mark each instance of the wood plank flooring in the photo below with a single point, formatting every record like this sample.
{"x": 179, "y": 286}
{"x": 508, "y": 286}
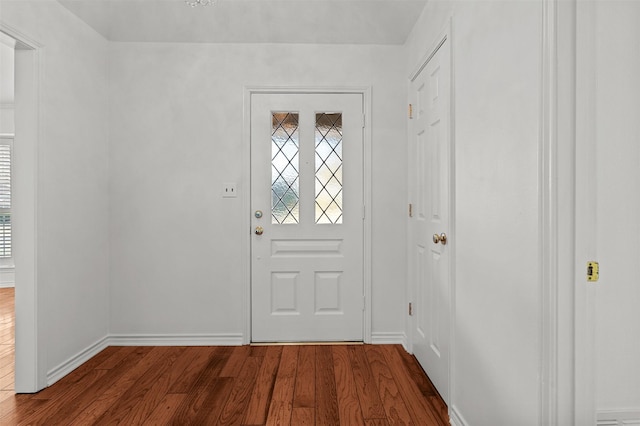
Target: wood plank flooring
{"x": 242, "y": 385}
{"x": 7, "y": 330}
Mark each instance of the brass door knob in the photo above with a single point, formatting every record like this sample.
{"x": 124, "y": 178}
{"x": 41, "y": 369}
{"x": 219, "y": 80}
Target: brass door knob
{"x": 442, "y": 239}
{"x": 259, "y": 230}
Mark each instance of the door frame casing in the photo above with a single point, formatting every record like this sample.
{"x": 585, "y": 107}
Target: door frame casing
{"x": 245, "y": 191}
{"x": 30, "y": 359}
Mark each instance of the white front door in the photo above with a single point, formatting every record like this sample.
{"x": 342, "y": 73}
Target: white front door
{"x": 307, "y": 217}
{"x": 430, "y": 155}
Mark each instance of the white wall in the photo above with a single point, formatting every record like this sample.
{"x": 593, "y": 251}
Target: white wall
{"x": 6, "y": 88}
{"x": 72, "y": 227}
{"x": 176, "y": 136}
{"x": 496, "y": 353}
{"x": 618, "y": 213}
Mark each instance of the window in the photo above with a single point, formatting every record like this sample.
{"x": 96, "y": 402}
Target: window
{"x": 6, "y": 142}
{"x": 285, "y": 182}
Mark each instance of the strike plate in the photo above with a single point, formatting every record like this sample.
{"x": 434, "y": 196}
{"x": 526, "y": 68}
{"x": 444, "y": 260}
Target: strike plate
{"x": 593, "y": 271}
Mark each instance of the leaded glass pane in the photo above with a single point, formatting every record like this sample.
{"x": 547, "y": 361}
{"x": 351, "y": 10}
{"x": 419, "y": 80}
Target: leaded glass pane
{"x": 285, "y": 180}
{"x": 328, "y": 168}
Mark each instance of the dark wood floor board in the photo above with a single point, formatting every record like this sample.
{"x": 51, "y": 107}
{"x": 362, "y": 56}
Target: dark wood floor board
{"x": 260, "y": 351}
{"x": 207, "y": 396}
{"x": 303, "y": 416}
{"x": 144, "y": 395}
{"x": 348, "y": 402}
{"x": 377, "y": 422}
{"x": 236, "y": 406}
{"x": 419, "y": 408}
{"x": 423, "y": 382}
{"x": 68, "y": 399}
{"x": 233, "y": 367}
{"x": 417, "y": 373}
{"x": 394, "y": 406}
{"x": 73, "y": 378}
{"x": 282, "y": 396}
{"x": 204, "y": 406}
{"x": 368, "y": 393}
{"x": 326, "y": 394}
{"x": 439, "y": 407}
{"x": 258, "y": 406}
{"x": 305, "y": 392}
{"x": 200, "y": 358}
{"x": 118, "y": 387}
{"x": 68, "y": 395}
{"x": 217, "y": 360}
{"x": 113, "y": 356}
{"x": 165, "y": 410}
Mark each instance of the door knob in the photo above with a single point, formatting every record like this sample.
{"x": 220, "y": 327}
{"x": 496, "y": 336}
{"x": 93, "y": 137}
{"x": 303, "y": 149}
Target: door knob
{"x": 259, "y": 230}
{"x": 442, "y": 239}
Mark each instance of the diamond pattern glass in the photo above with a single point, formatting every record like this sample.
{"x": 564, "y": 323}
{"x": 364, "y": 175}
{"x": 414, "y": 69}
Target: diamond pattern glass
{"x": 328, "y": 168}
{"x": 285, "y": 182}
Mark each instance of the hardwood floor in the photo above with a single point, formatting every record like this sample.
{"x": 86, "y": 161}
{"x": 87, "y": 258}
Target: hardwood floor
{"x": 244, "y": 385}
{"x": 7, "y": 330}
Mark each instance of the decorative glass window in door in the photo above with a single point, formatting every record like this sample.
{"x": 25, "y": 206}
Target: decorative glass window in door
{"x": 328, "y": 168}
{"x": 285, "y": 176}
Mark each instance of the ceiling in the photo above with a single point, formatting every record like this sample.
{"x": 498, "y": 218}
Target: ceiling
{"x": 251, "y": 21}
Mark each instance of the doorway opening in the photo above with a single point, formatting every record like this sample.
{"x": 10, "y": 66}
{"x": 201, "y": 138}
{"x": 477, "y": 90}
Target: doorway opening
{"x": 29, "y": 360}
{"x": 7, "y": 266}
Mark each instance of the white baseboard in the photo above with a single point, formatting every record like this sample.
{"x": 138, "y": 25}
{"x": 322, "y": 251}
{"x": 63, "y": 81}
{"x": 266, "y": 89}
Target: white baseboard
{"x": 7, "y": 277}
{"x": 224, "y": 339}
{"x": 387, "y": 338}
{"x": 83, "y": 356}
{"x": 455, "y": 418}
{"x": 619, "y": 417}
{"x": 76, "y": 361}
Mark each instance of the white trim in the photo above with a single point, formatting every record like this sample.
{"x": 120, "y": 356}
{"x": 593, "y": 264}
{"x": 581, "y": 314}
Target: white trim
{"x": 389, "y": 338}
{"x": 30, "y": 364}
{"x": 619, "y": 417}
{"x": 220, "y": 339}
{"x": 455, "y": 418}
{"x": 7, "y": 105}
{"x": 556, "y": 149}
{"x": 586, "y": 207}
{"x": 76, "y": 361}
{"x": 7, "y": 277}
{"x": 246, "y": 195}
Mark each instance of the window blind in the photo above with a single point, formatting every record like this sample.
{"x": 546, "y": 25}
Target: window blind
{"x": 5, "y": 201}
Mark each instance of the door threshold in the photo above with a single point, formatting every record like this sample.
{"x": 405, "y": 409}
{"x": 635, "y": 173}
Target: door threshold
{"x": 304, "y": 343}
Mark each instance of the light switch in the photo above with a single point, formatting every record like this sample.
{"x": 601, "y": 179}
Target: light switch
{"x": 229, "y": 190}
